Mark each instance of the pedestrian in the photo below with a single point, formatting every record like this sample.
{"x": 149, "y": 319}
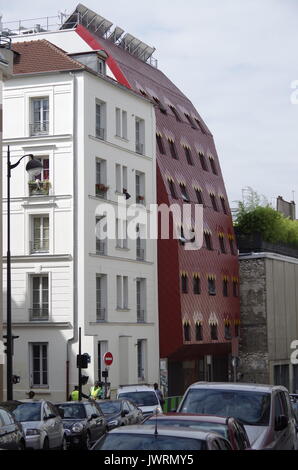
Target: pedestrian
{"x": 74, "y": 396}
{"x": 159, "y": 394}
{"x": 96, "y": 391}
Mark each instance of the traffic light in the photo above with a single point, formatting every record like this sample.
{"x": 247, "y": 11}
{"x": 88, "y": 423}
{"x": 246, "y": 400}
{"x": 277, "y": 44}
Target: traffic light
{"x": 84, "y": 379}
{"x": 5, "y": 344}
{"x": 12, "y": 343}
{"x": 83, "y": 360}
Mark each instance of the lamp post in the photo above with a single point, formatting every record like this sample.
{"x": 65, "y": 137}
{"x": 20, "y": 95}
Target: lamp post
{"x": 33, "y": 167}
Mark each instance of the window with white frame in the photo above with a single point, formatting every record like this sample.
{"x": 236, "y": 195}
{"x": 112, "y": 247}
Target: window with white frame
{"x": 140, "y": 136}
{"x": 141, "y": 300}
{"x": 121, "y": 234}
{"x": 101, "y": 297}
{"x": 121, "y": 178}
{"x": 40, "y": 297}
{"x": 39, "y": 124}
{"x": 40, "y": 184}
{"x": 121, "y": 123}
{"x": 39, "y": 369}
{"x": 100, "y": 119}
{"x": 101, "y": 187}
{"x": 141, "y": 359}
{"x": 122, "y": 292}
{"x": 40, "y": 234}
{"x": 100, "y": 228}
{"x": 140, "y": 187}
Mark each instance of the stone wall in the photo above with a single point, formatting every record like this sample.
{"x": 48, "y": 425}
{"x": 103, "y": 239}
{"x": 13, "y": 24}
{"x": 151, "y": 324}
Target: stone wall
{"x": 253, "y": 346}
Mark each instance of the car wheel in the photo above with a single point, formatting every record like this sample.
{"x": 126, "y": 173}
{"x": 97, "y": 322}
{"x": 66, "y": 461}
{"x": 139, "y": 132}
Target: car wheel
{"x": 64, "y": 444}
{"x": 46, "y": 444}
{"x": 88, "y": 441}
{"x": 22, "y": 445}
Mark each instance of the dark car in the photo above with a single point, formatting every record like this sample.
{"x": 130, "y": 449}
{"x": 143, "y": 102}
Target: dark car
{"x": 166, "y": 438}
{"x": 84, "y": 423}
{"x": 294, "y": 401}
{"x": 120, "y": 413}
{"x": 230, "y": 428}
{"x": 12, "y": 436}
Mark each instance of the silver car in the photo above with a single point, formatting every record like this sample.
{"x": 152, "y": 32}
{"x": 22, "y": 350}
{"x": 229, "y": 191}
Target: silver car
{"x": 265, "y": 410}
{"x": 41, "y": 422}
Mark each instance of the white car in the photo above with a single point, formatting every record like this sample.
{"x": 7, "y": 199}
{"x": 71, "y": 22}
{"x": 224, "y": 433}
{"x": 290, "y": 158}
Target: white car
{"x": 144, "y": 396}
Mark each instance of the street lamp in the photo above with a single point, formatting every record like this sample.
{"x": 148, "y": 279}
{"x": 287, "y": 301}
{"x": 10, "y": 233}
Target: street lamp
{"x": 34, "y": 168}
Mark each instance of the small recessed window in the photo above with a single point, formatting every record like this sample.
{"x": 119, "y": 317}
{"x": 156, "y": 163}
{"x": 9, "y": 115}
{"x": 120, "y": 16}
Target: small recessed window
{"x": 196, "y": 285}
{"x": 228, "y": 332}
{"x": 222, "y": 243}
{"x": 172, "y": 189}
{"x": 184, "y": 192}
{"x": 235, "y": 289}
{"x": 199, "y": 332}
{"x": 184, "y": 283}
{"x": 223, "y": 205}
{"x": 213, "y": 332}
{"x": 208, "y": 240}
{"x": 237, "y": 329}
{"x": 213, "y": 166}
{"x": 175, "y": 112}
{"x": 144, "y": 93}
{"x": 190, "y": 120}
{"x": 199, "y": 195}
{"x": 213, "y": 202}
{"x": 188, "y": 155}
{"x": 225, "y": 289}
{"x": 186, "y": 332}
{"x": 200, "y": 126}
{"x": 203, "y": 161}
{"x": 232, "y": 246}
{"x": 211, "y": 286}
{"x": 173, "y": 149}
{"x": 160, "y": 105}
{"x": 160, "y": 144}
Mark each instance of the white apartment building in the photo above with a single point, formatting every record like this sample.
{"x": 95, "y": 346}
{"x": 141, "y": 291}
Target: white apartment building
{"x": 96, "y": 141}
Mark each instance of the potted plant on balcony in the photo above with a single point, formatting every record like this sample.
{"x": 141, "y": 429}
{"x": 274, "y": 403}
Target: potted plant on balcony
{"x": 140, "y": 198}
{"x": 101, "y": 188}
{"x": 39, "y": 187}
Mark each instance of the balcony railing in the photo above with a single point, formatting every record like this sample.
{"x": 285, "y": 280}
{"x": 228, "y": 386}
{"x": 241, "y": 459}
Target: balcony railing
{"x": 39, "y": 246}
{"x": 100, "y": 133}
{"x": 139, "y": 148}
{"x": 38, "y": 188}
{"x": 39, "y": 128}
{"x": 5, "y": 42}
{"x": 101, "y": 190}
{"x": 100, "y": 314}
{"x": 140, "y": 316}
{"x": 100, "y": 247}
{"x": 39, "y": 314}
{"x": 140, "y": 199}
{"x": 140, "y": 254}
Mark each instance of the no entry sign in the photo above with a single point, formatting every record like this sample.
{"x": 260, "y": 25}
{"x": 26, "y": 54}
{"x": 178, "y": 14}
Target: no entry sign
{"x": 108, "y": 358}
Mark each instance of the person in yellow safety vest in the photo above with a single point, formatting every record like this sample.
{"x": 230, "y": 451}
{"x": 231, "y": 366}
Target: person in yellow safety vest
{"x": 95, "y": 392}
{"x": 74, "y": 396}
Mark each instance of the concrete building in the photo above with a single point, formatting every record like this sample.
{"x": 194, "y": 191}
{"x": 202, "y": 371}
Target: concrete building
{"x": 269, "y": 318}
{"x": 96, "y": 141}
{"x": 6, "y": 60}
{"x": 197, "y": 290}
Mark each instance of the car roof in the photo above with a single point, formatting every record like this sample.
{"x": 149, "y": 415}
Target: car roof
{"x": 237, "y": 386}
{"x": 190, "y": 416}
{"x": 135, "y": 388}
{"x": 173, "y": 431}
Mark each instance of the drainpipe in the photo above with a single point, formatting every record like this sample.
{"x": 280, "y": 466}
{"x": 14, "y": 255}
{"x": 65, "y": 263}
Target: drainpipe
{"x": 74, "y": 338}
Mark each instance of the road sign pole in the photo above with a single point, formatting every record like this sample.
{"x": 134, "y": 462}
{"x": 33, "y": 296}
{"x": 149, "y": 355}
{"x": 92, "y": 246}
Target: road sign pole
{"x": 80, "y": 369}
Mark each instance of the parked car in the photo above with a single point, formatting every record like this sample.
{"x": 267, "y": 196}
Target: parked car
{"x": 144, "y": 396}
{"x": 139, "y": 437}
{"x": 84, "y": 423}
{"x": 12, "y": 436}
{"x": 120, "y": 412}
{"x": 230, "y": 428}
{"x": 41, "y": 423}
{"x": 294, "y": 401}
{"x": 265, "y": 410}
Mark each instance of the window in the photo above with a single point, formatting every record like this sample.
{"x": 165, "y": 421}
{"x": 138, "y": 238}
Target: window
{"x": 199, "y": 195}
{"x": 101, "y": 187}
{"x": 121, "y": 178}
{"x": 200, "y": 125}
{"x": 232, "y": 247}
{"x": 188, "y": 155}
{"x": 160, "y": 105}
{"x": 196, "y": 285}
{"x": 101, "y": 297}
{"x": 228, "y": 333}
{"x": 175, "y": 112}
{"x": 208, "y": 241}
{"x": 186, "y": 329}
{"x": 184, "y": 192}
{"x": 40, "y": 116}
{"x": 160, "y": 144}
{"x": 223, "y": 204}
{"x": 101, "y": 66}
{"x": 211, "y": 286}
{"x": 140, "y": 245}
{"x": 40, "y": 298}
{"x": 199, "y": 332}
{"x": 203, "y": 161}
{"x": 173, "y": 149}
{"x": 121, "y": 234}
{"x": 141, "y": 359}
{"x": 122, "y": 292}
{"x": 213, "y": 202}
{"x": 222, "y": 243}
{"x": 141, "y": 300}
{"x": 213, "y": 166}
{"x": 40, "y": 184}
{"x": 101, "y": 245}
{"x": 144, "y": 93}
{"x": 140, "y": 136}
{"x": 213, "y": 332}
{"x": 172, "y": 189}
{"x": 100, "y": 120}
{"x": 190, "y": 120}
{"x": 40, "y": 234}
{"x": 235, "y": 288}
{"x": 184, "y": 283}
{"x": 121, "y": 123}
{"x": 225, "y": 289}
{"x": 39, "y": 364}
{"x": 140, "y": 187}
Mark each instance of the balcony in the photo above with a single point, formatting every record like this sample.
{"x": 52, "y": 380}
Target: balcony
{"x": 139, "y": 148}
{"x": 39, "y": 128}
{"x": 39, "y": 314}
{"x": 140, "y": 254}
{"x": 100, "y": 247}
{"x": 39, "y": 188}
{"x": 100, "y": 314}
{"x": 100, "y": 133}
{"x": 101, "y": 190}
{"x": 39, "y": 246}
{"x": 140, "y": 199}
{"x": 140, "y": 316}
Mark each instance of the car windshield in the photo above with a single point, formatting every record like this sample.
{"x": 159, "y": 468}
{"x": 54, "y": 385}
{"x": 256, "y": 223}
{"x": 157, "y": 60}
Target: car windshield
{"x": 141, "y": 398}
{"x": 72, "y": 411}
{"x": 27, "y": 412}
{"x": 148, "y": 442}
{"x": 195, "y": 425}
{"x": 249, "y": 407}
{"x": 110, "y": 408}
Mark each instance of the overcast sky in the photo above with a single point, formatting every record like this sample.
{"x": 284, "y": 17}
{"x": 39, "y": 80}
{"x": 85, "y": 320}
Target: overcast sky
{"x": 235, "y": 60}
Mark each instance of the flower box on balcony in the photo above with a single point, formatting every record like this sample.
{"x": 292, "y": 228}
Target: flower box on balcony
{"x": 101, "y": 189}
{"x": 39, "y": 187}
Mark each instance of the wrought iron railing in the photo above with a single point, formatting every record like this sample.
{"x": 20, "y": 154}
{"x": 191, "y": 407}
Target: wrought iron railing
{"x": 39, "y": 314}
{"x": 100, "y": 247}
{"x": 140, "y": 316}
{"x": 101, "y": 190}
{"x": 140, "y": 254}
{"x": 39, "y": 128}
{"x": 100, "y": 133}
{"x": 253, "y": 243}
{"x": 139, "y": 148}
{"x": 100, "y": 314}
{"x": 39, "y": 187}
{"x": 39, "y": 245}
